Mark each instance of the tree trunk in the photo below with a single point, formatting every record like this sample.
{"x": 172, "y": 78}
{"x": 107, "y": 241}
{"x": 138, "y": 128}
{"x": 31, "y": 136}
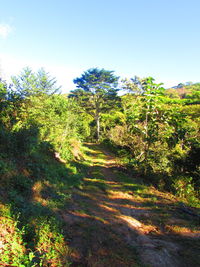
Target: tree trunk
{"x": 98, "y": 127}
{"x": 146, "y": 147}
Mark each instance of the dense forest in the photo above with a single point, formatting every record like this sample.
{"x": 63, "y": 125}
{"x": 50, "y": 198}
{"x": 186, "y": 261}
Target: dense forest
{"x": 46, "y": 138}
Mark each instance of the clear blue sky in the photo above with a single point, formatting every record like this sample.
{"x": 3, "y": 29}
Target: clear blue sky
{"x": 159, "y": 38}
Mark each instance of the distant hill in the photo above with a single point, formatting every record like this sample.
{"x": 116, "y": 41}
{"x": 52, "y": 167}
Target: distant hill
{"x": 185, "y": 91}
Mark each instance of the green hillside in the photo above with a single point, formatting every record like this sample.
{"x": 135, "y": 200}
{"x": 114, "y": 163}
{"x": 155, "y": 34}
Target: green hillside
{"x": 96, "y": 179}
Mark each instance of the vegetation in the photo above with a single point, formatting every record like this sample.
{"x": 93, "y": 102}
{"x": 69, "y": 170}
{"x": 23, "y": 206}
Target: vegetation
{"x": 97, "y": 93}
{"x": 154, "y": 132}
{"x": 161, "y": 138}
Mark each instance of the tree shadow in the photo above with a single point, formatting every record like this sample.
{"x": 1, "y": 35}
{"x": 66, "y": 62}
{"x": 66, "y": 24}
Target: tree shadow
{"x": 117, "y": 215}
{"x": 35, "y": 185}
{"x": 106, "y": 215}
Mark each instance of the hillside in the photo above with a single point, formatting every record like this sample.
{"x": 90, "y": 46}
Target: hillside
{"x": 116, "y": 220}
{"x": 98, "y": 179}
{"x": 108, "y": 217}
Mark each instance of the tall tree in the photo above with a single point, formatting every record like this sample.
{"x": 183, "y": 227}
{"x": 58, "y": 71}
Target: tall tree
{"x": 3, "y": 90}
{"x": 151, "y": 112}
{"x": 97, "y": 93}
{"x": 29, "y": 83}
{"x": 133, "y": 85}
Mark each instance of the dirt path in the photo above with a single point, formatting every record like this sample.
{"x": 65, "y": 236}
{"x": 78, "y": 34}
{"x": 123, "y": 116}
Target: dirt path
{"x": 114, "y": 220}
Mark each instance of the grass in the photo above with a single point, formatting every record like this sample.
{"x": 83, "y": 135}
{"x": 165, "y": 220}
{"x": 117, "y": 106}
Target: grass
{"x": 35, "y": 190}
{"x": 12, "y": 249}
{"x": 50, "y": 245}
{"x": 95, "y": 184}
{"x": 40, "y": 189}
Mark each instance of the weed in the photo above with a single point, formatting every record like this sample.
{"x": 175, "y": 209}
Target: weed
{"x": 51, "y": 247}
{"x": 12, "y": 248}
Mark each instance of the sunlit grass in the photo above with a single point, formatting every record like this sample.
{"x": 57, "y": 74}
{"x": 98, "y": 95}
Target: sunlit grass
{"x": 93, "y": 190}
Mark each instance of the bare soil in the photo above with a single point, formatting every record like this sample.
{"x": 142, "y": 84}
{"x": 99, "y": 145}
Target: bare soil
{"x": 113, "y": 219}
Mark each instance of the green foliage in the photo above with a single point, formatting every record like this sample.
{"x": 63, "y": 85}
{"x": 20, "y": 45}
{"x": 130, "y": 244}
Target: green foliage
{"x": 159, "y": 139}
{"x": 3, "y": 90}
{"x": 110, "y": 120}
{"x": 50, "y": 244}
{"x": 155, "y": 134}
{"x": 97, "y": 81}
{"x": 188, "y": 93}
{"x": 183, "y": 187}
{"x": 38, "y": 132}
{"x": 33, "y": 188}
{"x": 29, "y": 83}
{"x": 96, "y": 93}
{"x": 12, "y": 249}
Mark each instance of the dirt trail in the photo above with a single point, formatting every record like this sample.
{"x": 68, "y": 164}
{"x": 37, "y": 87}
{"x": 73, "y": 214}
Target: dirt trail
{"x": 114, "y": 220}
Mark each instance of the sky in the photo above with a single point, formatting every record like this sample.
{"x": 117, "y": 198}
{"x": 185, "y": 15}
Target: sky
{"x": 158, "y": 38}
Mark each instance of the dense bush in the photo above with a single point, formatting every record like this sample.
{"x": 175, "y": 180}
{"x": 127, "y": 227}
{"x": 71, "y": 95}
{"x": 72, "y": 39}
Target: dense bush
{"x": 154, "y": 132}
{"x": 160, "y": 140}
{"x": 35, "y": 126}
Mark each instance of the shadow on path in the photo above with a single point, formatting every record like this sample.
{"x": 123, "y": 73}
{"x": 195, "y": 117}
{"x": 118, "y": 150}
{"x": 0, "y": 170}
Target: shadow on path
{"x": 114, "y": 220}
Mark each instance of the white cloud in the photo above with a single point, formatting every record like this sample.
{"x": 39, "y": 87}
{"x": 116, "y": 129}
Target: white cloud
{"x": 5, "y": 29}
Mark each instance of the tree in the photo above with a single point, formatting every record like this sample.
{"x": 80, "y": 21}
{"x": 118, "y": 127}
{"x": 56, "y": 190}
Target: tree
{"x": 29, "y": 83}
{"x": 151, "y": 113}
{"x": 3, "y": 90}
{"x": 97, "y": 93}
{"x": 133, "y": 85}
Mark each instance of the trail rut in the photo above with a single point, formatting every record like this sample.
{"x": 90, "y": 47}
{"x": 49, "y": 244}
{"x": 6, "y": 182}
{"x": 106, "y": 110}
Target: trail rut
{"x": 115, "y": 220}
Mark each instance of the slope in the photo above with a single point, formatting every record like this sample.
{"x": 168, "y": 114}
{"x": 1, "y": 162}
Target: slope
{"x": 113, "y": 219}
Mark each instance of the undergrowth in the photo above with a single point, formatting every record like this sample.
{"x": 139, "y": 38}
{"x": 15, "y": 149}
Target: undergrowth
{"x": 169, "y": 176}
{"x": 34, "y": 189}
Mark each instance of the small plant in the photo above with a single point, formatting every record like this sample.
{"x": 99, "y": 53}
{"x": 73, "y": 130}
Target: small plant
{"x": 12, "y": 248}
{"x": 50, "y": 244}
{"x": 184, "y": 188}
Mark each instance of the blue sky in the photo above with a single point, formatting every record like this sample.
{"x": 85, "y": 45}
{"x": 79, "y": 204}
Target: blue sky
{"x": 156, "y": 38}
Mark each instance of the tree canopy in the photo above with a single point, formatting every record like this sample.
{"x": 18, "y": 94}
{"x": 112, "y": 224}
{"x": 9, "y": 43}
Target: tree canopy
{"x": 29, "y": 83}
{"x": 48, "y": 163}
{"x": 97, "y": 93}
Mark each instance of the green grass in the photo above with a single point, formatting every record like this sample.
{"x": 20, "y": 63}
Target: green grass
{"x": 35, "y": 190}
{"x": 39, "y": 189}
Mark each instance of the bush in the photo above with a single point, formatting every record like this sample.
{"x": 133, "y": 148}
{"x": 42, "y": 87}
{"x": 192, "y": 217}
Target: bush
{"x": 183, "y": 187}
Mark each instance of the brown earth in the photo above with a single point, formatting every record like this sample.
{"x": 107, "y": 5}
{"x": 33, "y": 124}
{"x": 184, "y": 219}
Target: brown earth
{"x": 114, "y": 220}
